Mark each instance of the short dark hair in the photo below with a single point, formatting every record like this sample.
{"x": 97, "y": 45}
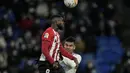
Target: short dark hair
{"x": 55, "y": 16}
{"x": 70, "y": 39}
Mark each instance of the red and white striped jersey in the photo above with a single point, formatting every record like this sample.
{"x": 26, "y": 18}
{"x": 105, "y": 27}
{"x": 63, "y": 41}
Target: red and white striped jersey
{"x": 54, "y": 38}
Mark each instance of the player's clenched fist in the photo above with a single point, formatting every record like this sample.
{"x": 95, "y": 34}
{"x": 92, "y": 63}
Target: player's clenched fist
{"x": 55, "y": 65}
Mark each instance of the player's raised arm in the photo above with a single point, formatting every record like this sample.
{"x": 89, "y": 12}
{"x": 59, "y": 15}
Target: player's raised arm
{"x": 67, "y": 54}
{"x": 69, "y": 62}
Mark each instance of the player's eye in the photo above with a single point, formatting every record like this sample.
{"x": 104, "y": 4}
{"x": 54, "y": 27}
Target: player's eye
{"x": 70, "y": 45}
{"x": 60, "y": 22}
{"x": 66, "y": 44}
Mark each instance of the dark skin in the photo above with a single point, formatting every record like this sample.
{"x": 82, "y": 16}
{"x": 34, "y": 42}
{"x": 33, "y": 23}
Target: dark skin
{"x": 59, "y": 21}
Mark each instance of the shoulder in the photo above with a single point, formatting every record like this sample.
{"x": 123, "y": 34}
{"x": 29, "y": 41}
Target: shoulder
{"x": 77, "y": 55}
{"x": 49, "y": 31}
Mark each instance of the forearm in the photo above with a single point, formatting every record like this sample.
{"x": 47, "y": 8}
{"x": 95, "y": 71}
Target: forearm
{"x": 69, "y": 62}
{"x": 66, "y": 54}
{"x": 45, "y": 51}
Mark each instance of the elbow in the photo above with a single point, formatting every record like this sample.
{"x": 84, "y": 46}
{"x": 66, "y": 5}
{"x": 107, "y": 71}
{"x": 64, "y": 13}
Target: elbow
{"x": 44, "y": 52}
{"x": 45, "y": 47}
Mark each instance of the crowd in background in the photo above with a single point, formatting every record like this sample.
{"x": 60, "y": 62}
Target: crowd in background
{"x": 22, "y": 23}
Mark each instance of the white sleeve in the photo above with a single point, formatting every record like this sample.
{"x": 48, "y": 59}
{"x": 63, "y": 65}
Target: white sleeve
{"x": 71, "y": 63}
{"x": 79, "y": 58}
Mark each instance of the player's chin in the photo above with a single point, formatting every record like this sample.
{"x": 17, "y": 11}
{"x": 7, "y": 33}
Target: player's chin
{"x": 61, "y": 30}
{"x": 68, "y": 49}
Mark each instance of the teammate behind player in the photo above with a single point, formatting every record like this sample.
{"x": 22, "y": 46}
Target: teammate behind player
{"x": 68, "y": 65}
{"x": 52, "y": 47}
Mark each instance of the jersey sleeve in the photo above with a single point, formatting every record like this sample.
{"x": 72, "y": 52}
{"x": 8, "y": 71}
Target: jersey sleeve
{"x": 79, "y": 58}
{"x": 47, "y": 38}
{"x": 45, "y": 51}
{"x": 47, "y": 35}
{"x": 69, "y": 62}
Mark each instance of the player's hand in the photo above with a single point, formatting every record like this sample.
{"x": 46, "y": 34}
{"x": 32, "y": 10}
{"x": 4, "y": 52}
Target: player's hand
{"x": 55, "y": 65}
{"x": 76, "y": 62}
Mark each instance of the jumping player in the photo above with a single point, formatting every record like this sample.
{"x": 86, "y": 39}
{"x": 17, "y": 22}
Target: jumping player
{"x": 52, "y": 48}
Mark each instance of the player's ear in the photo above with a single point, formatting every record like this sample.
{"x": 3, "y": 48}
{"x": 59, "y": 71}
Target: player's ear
{"x": 62, "y": 43}
{"x": 74, "y": 47}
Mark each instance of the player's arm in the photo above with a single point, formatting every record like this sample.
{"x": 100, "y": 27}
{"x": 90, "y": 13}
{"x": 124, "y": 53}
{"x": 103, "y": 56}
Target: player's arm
{"x": 79, "y": 58}
{"x": 71, "y": 63}
{"x": 46, "y": 43}
{"x": 65, "y": 53}
{"x": 45, "y": 50}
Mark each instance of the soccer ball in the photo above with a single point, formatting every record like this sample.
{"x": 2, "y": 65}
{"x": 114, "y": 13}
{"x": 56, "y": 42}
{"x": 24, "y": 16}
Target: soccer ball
{"x": 71, "y": 3}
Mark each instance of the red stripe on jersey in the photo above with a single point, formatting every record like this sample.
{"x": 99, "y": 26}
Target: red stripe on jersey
{"x": 57, "y": 55}
{"x": 56, "y": 47}
{"x": 50, "y": 46}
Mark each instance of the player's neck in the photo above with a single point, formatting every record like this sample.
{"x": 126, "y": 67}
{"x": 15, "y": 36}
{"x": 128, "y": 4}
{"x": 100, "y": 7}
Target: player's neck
{"x": 54, "y": 27}
{"x": 71, "y": 52}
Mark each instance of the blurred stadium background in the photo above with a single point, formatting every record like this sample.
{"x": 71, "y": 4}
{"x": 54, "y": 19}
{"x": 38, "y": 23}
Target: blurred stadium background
{"x": 101, "y": 29}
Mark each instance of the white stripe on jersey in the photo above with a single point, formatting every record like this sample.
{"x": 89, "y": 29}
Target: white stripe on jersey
{"x": 53, "y": 46}
{"x": 56, "y": 54}
{"x": 56, "y": 41}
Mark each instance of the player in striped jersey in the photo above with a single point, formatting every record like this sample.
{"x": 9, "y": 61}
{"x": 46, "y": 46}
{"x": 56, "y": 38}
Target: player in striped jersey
{"x": 68, "y": 65}
{"x": 52, "y": 47}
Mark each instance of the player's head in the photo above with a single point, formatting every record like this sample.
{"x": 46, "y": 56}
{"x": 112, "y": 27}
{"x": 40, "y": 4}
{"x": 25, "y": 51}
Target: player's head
{"x": 57, "y": 22}
{"x": 69, "y": 44}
